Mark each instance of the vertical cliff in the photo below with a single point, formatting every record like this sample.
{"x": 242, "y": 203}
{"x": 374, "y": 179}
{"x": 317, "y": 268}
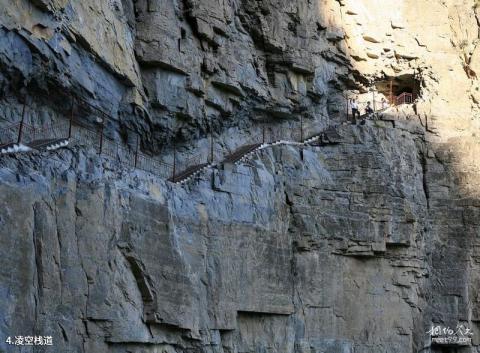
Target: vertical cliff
{"x": 354, "y": 246}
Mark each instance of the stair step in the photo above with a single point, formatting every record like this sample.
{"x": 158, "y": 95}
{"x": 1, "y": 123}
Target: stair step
{"x": 14, "y": 148}
{"x": 241, "y": 152}
{"x": 58, "y": 145}
{"x": 187, "y": 173}
{"x": 49, "y": 144}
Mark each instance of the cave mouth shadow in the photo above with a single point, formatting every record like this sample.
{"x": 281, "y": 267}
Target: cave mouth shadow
{"x": 394, "y": 87}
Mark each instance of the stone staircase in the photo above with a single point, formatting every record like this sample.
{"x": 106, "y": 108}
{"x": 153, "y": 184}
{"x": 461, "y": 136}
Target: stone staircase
{"x": 22, "y": 137}
{"x": 39, "y": 145}
{"x": 328, "y": 136}
{"x": 14, "y": 148}
{"x": 188, "y": 173}
{"x": 49, "y": 144}
{"x": 241, "y": 155}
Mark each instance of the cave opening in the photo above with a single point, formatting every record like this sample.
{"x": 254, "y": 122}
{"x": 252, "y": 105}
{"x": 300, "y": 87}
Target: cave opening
{"x": 398, "y": 90}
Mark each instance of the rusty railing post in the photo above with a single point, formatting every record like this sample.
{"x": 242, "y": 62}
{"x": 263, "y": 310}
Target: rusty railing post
{"x": 211, "y": 146}
{"x": 71, "y": 119}
{"x": 136, "y": 151}
{"x": 101, "y": 139}
{"x": 22, "y": 122}
{"x": 174, "y": 160}
{"x": 391, "y": 92}
{"x": 210, "y": 126}
{"x": 301, "y": 128}
{"x": 348, "y": 106}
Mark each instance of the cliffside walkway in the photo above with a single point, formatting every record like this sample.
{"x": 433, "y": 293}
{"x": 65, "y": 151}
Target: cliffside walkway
{"x": 22, "y": 137}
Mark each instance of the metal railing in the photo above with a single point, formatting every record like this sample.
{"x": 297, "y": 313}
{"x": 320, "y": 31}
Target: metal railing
{"x": 9, "y": 134}
{"x": 405, "y": 98}
{"x": 375, "y": 104}
{"x": 85, "y": 137}
{"x": 275, "y": 134}
{"x": 197, "y": 159}
{"x": 55, "y": 130}
{"x": 17, "y": 133}
{"x": 152, "y": 165}
{"x": 79, "y": 133}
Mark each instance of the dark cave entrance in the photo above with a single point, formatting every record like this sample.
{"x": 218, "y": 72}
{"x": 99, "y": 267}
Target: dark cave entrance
{"x": 398, "y": 90}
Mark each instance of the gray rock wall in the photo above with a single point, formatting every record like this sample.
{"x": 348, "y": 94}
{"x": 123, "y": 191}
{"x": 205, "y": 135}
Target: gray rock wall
{"x": 323, "y": 249}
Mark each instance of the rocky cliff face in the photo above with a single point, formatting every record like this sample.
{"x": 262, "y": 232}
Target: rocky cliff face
{"x": 358, "y": 247}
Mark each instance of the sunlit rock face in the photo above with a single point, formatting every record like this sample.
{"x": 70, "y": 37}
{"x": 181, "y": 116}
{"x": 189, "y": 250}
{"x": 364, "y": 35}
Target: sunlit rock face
{"x": 356, "y": 247}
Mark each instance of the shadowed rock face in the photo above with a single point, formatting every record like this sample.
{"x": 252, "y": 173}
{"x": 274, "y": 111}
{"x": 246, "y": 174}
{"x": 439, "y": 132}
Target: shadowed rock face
{"x": 288, "y": 253}
{"x": 355, "y": 247}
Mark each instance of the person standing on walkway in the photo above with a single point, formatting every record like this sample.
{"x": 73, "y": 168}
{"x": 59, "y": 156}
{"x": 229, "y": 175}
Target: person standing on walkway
{"x": 368, "y": 109}
{"x": 355, "y": 111}
{"x": 384, "y": 104}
